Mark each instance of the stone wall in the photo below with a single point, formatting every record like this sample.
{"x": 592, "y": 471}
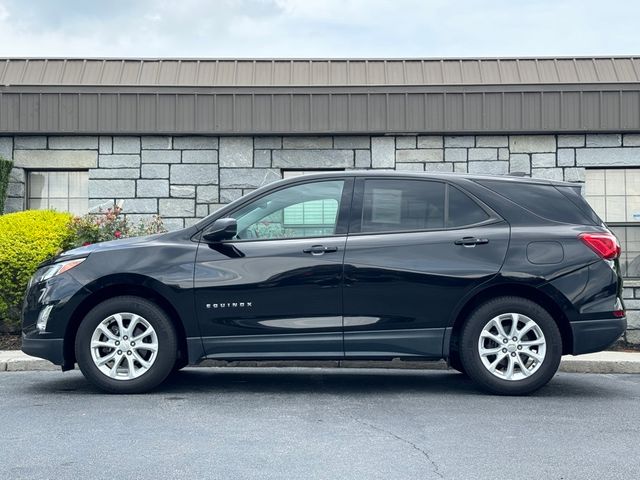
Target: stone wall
{"x": 185, "y": 178}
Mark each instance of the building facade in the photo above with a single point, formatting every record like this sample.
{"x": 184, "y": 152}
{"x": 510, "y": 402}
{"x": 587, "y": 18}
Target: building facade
{"x": 179, "y": 138}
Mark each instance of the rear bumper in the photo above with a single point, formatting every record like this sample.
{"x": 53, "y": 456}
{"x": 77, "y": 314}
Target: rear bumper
{"x": 51, "y": 349}
{"x": 596, "y": 335}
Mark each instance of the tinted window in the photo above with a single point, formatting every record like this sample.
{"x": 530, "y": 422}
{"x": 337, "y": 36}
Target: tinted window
{"x": 307, "y": 210}
{"x": 543, "y": 200}
{"x": 463, "y": 211}
{"x": 397, "y": 205}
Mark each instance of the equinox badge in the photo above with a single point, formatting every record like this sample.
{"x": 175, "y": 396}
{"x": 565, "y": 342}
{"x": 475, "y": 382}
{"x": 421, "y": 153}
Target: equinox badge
{"x": 230, "y": 305}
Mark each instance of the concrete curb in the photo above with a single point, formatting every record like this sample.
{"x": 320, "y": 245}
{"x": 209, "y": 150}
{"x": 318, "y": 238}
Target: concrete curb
{"x": 602, "y": 362}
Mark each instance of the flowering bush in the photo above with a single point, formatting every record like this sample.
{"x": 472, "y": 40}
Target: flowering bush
{"x": 109, "y": 225}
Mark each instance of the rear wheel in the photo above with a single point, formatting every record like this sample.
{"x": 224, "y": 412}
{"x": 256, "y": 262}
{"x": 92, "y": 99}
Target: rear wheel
{"x": 510, "y": 346}
{"x": 126, "y": 345}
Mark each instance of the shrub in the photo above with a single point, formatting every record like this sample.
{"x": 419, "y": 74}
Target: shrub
{"x": 5, "y": 172}
{"x": 26, "y": 239}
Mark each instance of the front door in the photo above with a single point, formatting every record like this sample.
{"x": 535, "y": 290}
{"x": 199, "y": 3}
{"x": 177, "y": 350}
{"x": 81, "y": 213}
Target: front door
{"x": 276, "y": 289}
{"x": 415, "y": 249}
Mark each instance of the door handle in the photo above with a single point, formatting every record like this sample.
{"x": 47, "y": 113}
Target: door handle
{"x": 320, "y": 250}
{"x": 471, "y": 241}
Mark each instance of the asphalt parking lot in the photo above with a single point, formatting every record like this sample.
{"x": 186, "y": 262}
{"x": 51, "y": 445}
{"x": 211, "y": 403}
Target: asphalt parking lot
{"x": 294, "y": 423}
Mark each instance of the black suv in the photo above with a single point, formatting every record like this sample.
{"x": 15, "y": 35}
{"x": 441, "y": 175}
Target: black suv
{"x": 498, "y": 275}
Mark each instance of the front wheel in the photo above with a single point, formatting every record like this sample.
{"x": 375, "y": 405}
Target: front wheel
{"x": 126, "y": 345}
{"x": 510, "y": 346}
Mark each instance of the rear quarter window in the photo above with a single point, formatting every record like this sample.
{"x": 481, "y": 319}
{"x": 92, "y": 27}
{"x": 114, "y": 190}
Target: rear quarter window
{"x": 545, "y": 201}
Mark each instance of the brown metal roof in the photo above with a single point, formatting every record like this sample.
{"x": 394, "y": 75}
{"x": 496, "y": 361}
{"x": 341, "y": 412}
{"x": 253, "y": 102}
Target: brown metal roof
{"x": 318, "y": 72}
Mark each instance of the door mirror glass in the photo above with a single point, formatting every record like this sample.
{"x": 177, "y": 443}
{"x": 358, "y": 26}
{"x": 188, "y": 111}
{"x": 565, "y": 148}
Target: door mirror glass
{"x": 222, "y": 229}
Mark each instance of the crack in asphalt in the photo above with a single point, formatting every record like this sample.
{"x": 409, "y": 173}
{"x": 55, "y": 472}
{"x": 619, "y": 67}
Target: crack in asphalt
{"x": 426, "y": 455}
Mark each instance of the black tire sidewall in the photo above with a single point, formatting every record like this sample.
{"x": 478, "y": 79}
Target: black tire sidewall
{"x": 167, "y": 345}
{"x": 470, "y": 356}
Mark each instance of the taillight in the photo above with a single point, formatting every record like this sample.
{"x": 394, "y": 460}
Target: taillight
{"x": 604, "y": 244}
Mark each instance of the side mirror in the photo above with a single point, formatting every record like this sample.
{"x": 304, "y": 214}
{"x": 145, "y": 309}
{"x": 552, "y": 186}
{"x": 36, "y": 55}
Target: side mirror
{"x": 222, "y": 229}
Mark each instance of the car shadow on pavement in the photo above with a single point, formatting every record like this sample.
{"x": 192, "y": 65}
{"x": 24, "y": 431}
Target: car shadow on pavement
{"x": 303, "y": 381}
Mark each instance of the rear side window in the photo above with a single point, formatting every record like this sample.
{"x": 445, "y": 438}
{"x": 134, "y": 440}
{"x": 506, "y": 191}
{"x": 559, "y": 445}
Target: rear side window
{"x": 397, "y": 205}
{"x": 546, "y": 201}
{"x": 463, "y": 211}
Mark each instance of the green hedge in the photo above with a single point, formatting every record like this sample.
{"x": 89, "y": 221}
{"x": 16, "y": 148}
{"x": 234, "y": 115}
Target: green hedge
{"x": 5, "y": 172}
{"x": 27, "y": 239}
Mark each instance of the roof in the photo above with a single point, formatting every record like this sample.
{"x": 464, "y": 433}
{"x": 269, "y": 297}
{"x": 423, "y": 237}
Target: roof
{"x": 317, "y": 72}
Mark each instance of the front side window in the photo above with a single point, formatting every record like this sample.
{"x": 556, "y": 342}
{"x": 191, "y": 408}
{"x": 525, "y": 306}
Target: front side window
{"x": 307, "y": 210}
{"x": 65, "y": 191}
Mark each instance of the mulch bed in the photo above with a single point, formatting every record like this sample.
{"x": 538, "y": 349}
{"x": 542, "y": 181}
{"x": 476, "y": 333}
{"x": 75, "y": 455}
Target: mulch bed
{"x": 10, "y": 342}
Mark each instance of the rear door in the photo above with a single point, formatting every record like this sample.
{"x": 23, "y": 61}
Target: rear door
{"x": 415, "y": 249}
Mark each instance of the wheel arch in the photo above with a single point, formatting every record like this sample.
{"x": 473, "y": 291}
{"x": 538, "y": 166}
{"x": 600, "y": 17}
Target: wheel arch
{"x": 121, "y": 287}
{"x": 518, "y": 290}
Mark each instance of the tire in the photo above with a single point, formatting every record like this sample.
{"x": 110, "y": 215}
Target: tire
{"x": 146, "y": 355}
{"x": 513, "y": 367}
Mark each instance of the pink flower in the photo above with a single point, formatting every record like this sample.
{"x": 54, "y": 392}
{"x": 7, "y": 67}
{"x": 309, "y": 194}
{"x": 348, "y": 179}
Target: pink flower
{"x": 118, "y": 234}
{"x": 86, "y": 243}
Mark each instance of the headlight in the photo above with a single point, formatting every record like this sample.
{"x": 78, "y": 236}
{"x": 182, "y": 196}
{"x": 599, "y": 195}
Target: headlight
{"x": 55, "y": 269}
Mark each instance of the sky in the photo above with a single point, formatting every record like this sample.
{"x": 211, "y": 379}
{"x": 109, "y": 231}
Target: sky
{"x": 315, "y": 28}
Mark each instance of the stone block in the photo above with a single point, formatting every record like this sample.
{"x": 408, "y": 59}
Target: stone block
{"x": 195, "y": 143}
{"x": 543, "y": 160}
{"x": 155, "y": 170}
{"x": 202, "y": 211}
{"x": 423, "y": 155}
{"x": 128, "y": 144}
{"x": 29, "y": 143}
{"x": 313, "y": 158}
{"x": 492, "y": 167}
{"x": 6, "y": 147}
{"x": 79, "y": 142}
{"x": 17, "y": 175}
{"x": 177, "y": 207}
{"x": 119, "y": 161}
{"x": 140, "y": 205}
{"x": 267, "y": 142}
{"x": 532, "y": 143}
{"x": 466, "y": 141}
{"x": 153, "y": 188}
{"x": 574, "y": 174}
{"x": 605, "y": 157}
{"x": 519, "y": 162}
{"x": 15, "y": 189}
{"x": 112, "y": 188}
{"x": 58, "y": 159}
{"x": 207, "y": 194}
{"x": 161, "y": 156}
{"x": 248, "y": 177}
{"x": 363, "y": 159}
{"x": 492, "y": 141}
{"x": 633, "y": 319}
{"x": 406, "y": 141}
{"x": 105, "y": 145}
{"x": 236, "y": 152}
{"x": 353, "y": 142}
{"x": 604, "y": 140}
{"x": 438, "y": 167}
{"x": 114, "y": 173}
{"x": 547, "y": 173}
{"x": 430, "y": 141}
{"x": 194, "y": 174}
{"x": 460, "y": 167}
{"x": 570, "y": 141}
{"x": 631, "y": 140}
{"x": 383, "y": 152}
{"x": 172, "y": 224}
{"x": 156, "y": 142}
{"x": 262, "y": 158}
{"x": 483, "y": 154}
{"x": 455, "y": 154}
{"x": 631, "y": 304}
{"x": 503, "y": 154}
{"x": 566, "y": 157}
{"x": 410, "y": 167}
{"x": 182, "y": 191}
{"x": 307, "y": 142}
{"x": 13, "y": 204}
{"x": 228, "y": 195}
{"x": 200, "y": 156}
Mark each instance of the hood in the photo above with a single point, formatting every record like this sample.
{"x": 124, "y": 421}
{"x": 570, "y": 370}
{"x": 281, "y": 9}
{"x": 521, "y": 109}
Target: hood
{"x": 110, "y": 245}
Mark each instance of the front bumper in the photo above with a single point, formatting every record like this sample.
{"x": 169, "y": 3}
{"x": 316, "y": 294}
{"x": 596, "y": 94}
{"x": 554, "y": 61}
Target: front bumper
{"x": 51, "y": 349}
{"x": 596, "y": 335}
